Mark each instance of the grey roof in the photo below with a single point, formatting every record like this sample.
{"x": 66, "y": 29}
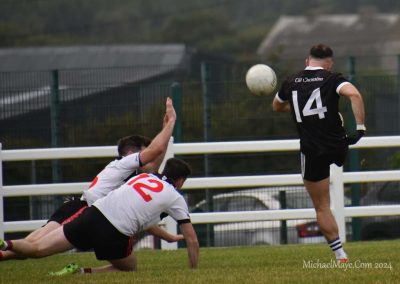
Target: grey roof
{"x": 348, "y": 34}
{"x": 76, "y": 57}
{"x": 26, "y": 80}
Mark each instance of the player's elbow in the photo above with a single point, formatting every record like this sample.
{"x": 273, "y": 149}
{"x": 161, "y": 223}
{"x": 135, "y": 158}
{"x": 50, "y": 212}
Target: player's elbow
{"x": 278, "y": 107}
{"x": 275, "y": 108}
{"x": 150, "y": 154}
{"x": 355, "y": 96}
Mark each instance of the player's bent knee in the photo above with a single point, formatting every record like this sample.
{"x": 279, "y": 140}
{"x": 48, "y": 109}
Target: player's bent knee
{"x": 126, "y": 264}
{"x": 124, "y": 267}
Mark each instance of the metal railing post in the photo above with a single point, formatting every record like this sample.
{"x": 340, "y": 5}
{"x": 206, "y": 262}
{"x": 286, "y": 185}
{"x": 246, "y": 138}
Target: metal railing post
{"x": 1, "y": 197}
{"x": 337, "y": 199}
{"x": 170, "y": 224}
{"x": 353, "y": 155}
{"x": 205, "y": 69}
{"x": 55, "y": 122}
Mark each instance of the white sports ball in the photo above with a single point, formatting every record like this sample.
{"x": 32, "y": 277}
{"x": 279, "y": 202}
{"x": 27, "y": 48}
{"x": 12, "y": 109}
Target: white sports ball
{"x": 261, "y": 80}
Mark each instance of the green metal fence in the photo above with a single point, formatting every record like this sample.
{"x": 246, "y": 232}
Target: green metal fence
{"x": 85, "y": 107}
{"x": 97, "y": 106}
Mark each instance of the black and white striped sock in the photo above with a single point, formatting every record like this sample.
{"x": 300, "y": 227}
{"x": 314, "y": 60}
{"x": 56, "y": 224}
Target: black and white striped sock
{"x": 337, "y": 248}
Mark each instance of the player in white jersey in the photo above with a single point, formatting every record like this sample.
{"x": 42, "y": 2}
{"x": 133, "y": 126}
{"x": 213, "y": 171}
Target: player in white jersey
{"x": 137, "y": 214}
{"x": 113, "y": 176}
{"x": 110, "y": 178}
{"x": 108, "y": 229}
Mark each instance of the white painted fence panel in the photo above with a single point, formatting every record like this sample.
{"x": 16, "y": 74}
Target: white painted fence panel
{"x": 338, "y": 179}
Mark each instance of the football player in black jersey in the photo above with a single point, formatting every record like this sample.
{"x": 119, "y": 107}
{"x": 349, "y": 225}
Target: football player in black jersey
{"x": 312, "y": 96}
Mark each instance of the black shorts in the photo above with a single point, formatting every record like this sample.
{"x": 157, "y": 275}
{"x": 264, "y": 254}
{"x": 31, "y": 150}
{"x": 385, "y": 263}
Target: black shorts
{"x": 92, "y": 230}
{"x": 68, "y": 211}
{"x": 316, "y": 168}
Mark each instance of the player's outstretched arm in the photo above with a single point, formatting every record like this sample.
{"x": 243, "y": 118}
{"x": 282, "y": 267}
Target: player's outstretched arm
{"x": 160, "y": 143}
{"x": 192, "y": 243}
{"x": 357, "y": 103}
{"x": 154, "y": 166}
{"x": 163, "y": 234}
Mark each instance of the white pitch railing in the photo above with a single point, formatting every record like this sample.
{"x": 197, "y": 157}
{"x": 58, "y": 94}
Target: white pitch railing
{"x": 338, "y": 179}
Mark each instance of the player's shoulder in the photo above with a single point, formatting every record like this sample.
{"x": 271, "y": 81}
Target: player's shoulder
{"x": 338, "y": 78}
{"x": 127, "y": 160}
{"x": 130, "y": 156}
{"x": 332, "y": 74}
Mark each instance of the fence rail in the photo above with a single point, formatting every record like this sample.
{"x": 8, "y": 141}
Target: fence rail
{"x": 338, "y": 179}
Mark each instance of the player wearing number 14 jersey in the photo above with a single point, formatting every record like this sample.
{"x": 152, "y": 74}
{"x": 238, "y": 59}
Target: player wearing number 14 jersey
{"x": 312, "y": 96}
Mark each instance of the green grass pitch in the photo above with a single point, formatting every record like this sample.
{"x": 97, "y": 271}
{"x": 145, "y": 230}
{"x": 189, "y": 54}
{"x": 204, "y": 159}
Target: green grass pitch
{"x": 370, "y": 262}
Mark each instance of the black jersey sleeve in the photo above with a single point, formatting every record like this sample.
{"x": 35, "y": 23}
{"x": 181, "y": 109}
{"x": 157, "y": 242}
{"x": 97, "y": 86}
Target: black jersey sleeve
{"x": 281, "y": 95}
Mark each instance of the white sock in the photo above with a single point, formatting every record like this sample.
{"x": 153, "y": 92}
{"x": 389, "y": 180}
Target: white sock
{"x": 337, "y": 248}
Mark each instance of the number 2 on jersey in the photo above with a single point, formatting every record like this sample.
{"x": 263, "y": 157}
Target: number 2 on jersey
{"x": 308, "y": 110}
{"x": 152, "y": 185}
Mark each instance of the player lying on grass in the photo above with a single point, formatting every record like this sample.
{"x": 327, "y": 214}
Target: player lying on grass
{"x": 113, "y": 176}
{"x": 109, "y": 229}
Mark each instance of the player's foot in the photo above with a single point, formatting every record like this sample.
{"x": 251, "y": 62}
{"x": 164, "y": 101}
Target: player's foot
{"x": 343, "y": 260}
{"x": 342, "y": 257}
{"x": 3, "y": 244}
{"x": 67, "y": 270}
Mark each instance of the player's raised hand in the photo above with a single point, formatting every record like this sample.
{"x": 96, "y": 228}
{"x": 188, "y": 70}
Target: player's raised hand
{"x": 170, "y": 114}
{"x": 165, "y": 120}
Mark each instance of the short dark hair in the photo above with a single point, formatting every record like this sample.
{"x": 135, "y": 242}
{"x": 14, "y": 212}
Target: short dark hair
{"x": 176, "y": 168}
{"x": 321, "y": 51}
{"x": 132, "y": 143}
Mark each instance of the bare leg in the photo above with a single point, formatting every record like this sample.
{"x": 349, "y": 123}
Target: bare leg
{"x": 33, "y": 236}
{"x": 319, "y": 193}
{"x": 7, "y": 255}
{"x": 49, "y": 244}
{"x": 42, "y": 231}
{"x": 128, "y": 263}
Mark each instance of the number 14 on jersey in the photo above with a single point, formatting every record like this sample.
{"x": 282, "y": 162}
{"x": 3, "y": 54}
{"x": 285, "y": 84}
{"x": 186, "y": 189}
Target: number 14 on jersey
{"x": 308, "y": 110}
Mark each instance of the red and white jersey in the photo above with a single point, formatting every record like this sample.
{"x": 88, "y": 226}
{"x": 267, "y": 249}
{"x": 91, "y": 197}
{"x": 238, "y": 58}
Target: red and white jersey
{"x": 111, "y": 177}
{"x": 140, "y": 202}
